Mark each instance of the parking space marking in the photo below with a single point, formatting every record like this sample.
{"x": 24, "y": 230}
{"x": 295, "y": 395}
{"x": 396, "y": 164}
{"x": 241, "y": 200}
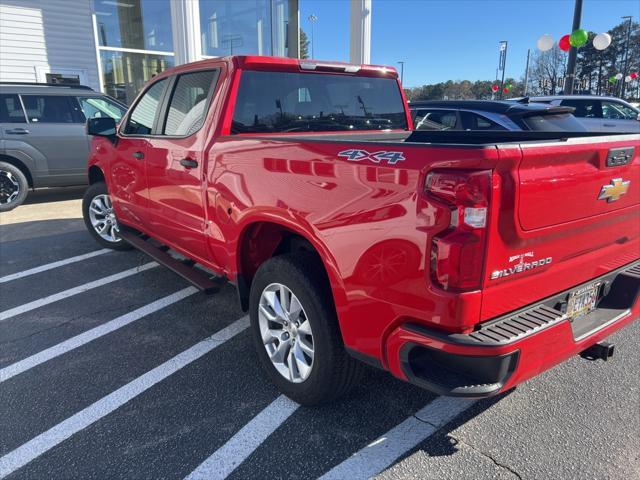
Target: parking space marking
{"x": 228, "y": 457}
{"x": 49, "y": 266}
{"x": 12, "y": 312}
{"x": 74, "y": 342}
{"x": 382, "y": 452}
{"x": 35, "y": 447}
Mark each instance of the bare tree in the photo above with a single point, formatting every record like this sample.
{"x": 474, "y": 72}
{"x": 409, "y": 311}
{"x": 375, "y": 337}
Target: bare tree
{"x": 546, "y": 71}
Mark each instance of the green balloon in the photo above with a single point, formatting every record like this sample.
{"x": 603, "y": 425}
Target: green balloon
{"x": 578, "y": 38}
{"x": 612, "y": 79}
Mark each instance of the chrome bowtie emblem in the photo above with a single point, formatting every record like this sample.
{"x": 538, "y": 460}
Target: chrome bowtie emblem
{"x": 614, "y": 190}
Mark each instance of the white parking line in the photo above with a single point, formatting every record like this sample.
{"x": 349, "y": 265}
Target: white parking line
{"x": 65, "y": 429}
{"x": 228, "y": 457}
{"x": 382, "y": 452}
{"x": 74, "y": 342}
{"x": 12, "y": 312}
{"x": 49, "y": 266}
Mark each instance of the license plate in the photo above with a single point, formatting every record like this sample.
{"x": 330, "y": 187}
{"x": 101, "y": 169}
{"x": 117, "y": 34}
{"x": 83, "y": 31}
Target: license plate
{"x": 583, "y": 300}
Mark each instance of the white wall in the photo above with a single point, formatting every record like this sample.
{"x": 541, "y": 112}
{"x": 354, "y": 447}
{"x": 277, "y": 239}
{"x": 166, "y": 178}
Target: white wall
{"x": 43, "y": 35}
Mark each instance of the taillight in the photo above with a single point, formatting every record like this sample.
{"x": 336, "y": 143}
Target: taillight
{"x": 457, "y": 254}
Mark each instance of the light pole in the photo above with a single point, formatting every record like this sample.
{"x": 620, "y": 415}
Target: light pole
{"x": 573, "y": 51}
{"x": 502, "y": 63}
{"x": 312, "y": 19}
{"x": 401, "y": 72}
{"x": 625, "y": 65}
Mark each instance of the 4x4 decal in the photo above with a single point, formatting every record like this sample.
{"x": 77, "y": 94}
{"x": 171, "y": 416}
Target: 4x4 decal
{"x": 354, "y": 155}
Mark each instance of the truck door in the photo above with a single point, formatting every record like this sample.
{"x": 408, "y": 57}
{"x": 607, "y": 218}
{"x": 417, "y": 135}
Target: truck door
{"x": 128, "y": 186}
{"x": 175, "y": 164}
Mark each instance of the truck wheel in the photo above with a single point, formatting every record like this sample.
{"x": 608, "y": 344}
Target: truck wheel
{"x": 295, "y": 330}
{"x": 100, "y": 218}
{"x": 13, "y": 187}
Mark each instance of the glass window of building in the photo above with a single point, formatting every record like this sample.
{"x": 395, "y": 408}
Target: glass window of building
{"x": 129, "y": 32}
{"x": 125, "y": 73}
{"x": 137, "y": 24}
{"x": 247, "y": 27}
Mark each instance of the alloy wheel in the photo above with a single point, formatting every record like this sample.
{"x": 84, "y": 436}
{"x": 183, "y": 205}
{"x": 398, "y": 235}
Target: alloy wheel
{"x": 286, "y": 332}
{"x": 9, "y": 187}
{"x": 103, "y": 218}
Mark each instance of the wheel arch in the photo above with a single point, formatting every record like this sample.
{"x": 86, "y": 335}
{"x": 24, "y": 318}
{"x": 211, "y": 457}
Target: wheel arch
{"x": 20, "y": 165}
{"x": 95, "y": 175}
{"x": 262, "y": 239}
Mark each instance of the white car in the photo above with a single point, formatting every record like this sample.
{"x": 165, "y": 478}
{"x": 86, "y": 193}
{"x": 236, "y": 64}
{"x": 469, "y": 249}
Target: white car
{"x": 599, "y": 114}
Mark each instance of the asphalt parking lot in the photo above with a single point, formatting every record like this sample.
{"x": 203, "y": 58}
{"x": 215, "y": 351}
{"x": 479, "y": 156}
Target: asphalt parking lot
{"x": 113, "y": 367}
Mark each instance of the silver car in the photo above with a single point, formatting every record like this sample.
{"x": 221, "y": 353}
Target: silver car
{"x": 599, "y": 114}
{"x": 43, "y": 142}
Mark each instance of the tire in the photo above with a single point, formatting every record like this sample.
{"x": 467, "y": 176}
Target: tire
{"x": 13, "y": 187}
{"x": 98, "y": 195}
{"x": 332, "y": 371}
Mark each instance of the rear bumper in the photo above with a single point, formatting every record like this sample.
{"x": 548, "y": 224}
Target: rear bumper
{"x": 510, "y": 349}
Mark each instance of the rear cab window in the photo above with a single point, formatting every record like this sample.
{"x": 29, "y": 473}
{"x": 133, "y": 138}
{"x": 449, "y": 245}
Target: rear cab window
{"x": 316, "y": 102}
{"x": 11, "y": 109}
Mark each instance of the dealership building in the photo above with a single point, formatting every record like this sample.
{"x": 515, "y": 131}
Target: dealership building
{"x": 115, "y": 46}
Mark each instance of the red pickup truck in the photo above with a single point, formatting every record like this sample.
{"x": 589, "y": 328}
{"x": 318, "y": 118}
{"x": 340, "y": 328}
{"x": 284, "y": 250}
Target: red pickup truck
{"x": 463, "y": 262}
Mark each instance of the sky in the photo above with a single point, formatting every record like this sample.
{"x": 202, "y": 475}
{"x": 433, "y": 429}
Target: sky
{"x": 443, "y": 40}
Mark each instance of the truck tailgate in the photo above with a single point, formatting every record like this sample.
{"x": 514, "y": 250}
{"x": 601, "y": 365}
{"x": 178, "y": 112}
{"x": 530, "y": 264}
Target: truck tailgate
{"x": 567, "y": 212}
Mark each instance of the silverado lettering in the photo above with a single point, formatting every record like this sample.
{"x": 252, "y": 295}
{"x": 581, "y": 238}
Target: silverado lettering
{"x": 521, "y": 267}
{"x": 351, "y": 238}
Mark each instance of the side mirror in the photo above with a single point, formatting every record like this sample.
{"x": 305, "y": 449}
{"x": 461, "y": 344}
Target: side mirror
{"x": 101, "y": 127}
{"x": 638, "y": 117}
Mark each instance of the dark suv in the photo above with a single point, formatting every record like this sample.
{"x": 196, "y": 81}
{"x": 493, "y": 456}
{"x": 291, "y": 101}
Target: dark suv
{"x": 43, "y": 142}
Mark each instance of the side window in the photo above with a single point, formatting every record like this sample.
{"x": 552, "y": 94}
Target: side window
{"x": 473, "y": 121}
{"x": 11, "y": 110}
{"x": 435, "y": 120}
{"x": 618, "y": 111}
{"x": 188, "y": 105}
{"x": 49, "y": 109}
{"x": 100, "y": 107}
{"x": 584, "y": 108}
{"x": 144, "y": 113}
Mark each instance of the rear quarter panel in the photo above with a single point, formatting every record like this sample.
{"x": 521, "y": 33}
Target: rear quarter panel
{"x": 370, "y": 222}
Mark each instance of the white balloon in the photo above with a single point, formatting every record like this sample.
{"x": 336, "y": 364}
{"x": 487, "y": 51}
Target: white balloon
{"x": 601, "y": 41}
{"x": 628, "y": 78}
{"x": 545, "y": 42}
{"x": 618, "y": 76}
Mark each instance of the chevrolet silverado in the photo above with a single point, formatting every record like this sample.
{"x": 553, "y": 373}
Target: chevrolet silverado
{"x": 463, "y": 262}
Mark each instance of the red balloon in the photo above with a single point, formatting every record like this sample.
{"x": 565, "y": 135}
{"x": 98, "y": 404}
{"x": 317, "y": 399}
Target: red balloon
{"x": 564, "y": 43}
{"x": 505, "y": 90}
{"x": 495, "y": 88}
{"x": 633, "y": 75}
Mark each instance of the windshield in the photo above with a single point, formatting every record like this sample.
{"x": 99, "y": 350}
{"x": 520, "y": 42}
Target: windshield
{"x": 277, "y": 102}
{"x": 558, "y": 122}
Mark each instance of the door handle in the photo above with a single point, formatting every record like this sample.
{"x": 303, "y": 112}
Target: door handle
{"x": 188, "y": 163}
{"x": 138, "y": 155}
{"x": 17, "y": 131}
{"x": 609, "y": 124}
